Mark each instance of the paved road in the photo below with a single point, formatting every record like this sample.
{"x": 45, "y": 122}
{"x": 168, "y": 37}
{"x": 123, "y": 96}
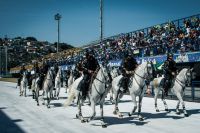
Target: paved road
{"x": 21, "y": 115}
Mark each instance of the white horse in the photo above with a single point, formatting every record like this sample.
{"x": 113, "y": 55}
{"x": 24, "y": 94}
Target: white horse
{"x": 35, "y": 88}
{"x": 177, "y": 89}
{"x": 48, "y": 86}
{"x": 70, "y": 81}
{"x": 23, "y": 84}
{"x": 136, "y": 88}
{"x": 97, "y": 94}
{"x": 114, "y": 73}
{"x": 58, "y": 82}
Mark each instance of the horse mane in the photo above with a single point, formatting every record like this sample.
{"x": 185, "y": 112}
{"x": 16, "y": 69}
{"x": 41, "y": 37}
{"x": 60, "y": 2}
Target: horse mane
{"x": 182, "y": 72}
{"x": 141, "y": 66}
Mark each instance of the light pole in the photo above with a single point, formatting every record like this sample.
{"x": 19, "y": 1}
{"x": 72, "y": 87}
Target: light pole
{"x": 6, "y": 54}
{"x": 58, "y": 17}
{"x": 101, "y": 21}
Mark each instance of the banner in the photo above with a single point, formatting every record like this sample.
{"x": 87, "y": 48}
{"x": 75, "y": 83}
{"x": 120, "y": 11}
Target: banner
{"x": 179, "y": 58}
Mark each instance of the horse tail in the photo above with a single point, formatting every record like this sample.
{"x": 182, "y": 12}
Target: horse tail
{"x": 70, "y": 97}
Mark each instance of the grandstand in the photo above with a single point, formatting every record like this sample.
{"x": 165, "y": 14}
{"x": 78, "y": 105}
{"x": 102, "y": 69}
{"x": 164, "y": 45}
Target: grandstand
{"x": 181, "y": 37}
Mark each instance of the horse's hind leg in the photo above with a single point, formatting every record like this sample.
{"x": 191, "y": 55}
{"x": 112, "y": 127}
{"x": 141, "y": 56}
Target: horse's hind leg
{"x": 156, "y": 92}
{"x": 116, "y": 110}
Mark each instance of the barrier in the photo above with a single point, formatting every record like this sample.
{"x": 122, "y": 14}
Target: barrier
{"x": 193, "y": 88}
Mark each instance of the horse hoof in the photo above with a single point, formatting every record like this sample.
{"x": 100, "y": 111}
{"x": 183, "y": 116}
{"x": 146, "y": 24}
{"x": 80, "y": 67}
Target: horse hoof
{"x": 178, "y": 113}
{"x": 157, "y": 110}
{"x": 141, "y": 119}
{"x": 104, "y": 126}
{"x": 186, "y": 115}
{"x": 115, "y": 112}
{"x": 120, "y": 116}
{"x": 129, "y": 114}
{"x": 82, "y": 121}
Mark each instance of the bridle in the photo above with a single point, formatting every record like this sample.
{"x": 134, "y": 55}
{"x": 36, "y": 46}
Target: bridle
{"x": 143, "y": 77}
{"x": 105, "y": 83}
{"x": 181, "y": 83}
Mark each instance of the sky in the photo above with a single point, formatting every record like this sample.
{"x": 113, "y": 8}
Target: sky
{"x": 80, "y": 23}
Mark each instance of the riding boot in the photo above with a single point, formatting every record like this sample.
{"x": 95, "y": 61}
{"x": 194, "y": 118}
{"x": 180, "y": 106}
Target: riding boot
{"x": 166, "y": 86}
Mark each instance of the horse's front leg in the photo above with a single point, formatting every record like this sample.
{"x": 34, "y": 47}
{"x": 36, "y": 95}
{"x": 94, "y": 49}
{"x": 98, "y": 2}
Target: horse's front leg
{"x": 134, "y": 104}
{"x": 116, "y": 110}
{"x": 177, "y": 108}
{"x": 79, "y": 115}
{"x": 93, "y": 111}
{"x": 179, "y": 96}
{"x": 25, "y": 90}
{"x": 58, "y": 92}
{"x": 102, "y": 118}
{"x": 139, "y": 108}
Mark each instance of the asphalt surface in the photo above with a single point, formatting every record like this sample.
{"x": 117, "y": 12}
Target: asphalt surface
{"x": 22, "y": 115}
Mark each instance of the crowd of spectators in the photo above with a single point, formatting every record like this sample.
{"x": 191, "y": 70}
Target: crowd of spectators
{"x": 178, "y": 36}
{"x": 175, "y": 37}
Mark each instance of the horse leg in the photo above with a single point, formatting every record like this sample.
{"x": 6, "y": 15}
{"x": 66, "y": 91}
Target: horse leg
{"x": 102, "y": 118}
{"x": 164, "y": 102}
{"x": 25, "y": 90}
{"x": 43, "y": 93}
{"x": 156, "y": 92}
{"x": 116, "y": 111}
{"x": 111, "y": 96}
{"x": 37, "y": 96}
{"x": 135, "y": 105}
{"x": 177, "y": 108}
{"x": 48, "y": 99}
{"x": 93, "y": 111}
{"x": 79, "y": 115}
{"x": 58, "y": 91}
{"x": 179, "y": 96}
{"x": 139, "y": 108}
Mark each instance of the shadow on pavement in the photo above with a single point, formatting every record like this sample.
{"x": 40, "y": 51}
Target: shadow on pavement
{"x": 8, "y": 125}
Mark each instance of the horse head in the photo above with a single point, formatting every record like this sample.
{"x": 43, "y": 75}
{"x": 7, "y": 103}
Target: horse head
{"x": 145, "y": 70}
{"x": 105, "y": 73}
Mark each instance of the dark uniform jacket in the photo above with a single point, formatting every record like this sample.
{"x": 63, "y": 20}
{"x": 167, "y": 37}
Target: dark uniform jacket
{"x": 128, "y": 64}
{"x": 90, "y": 64}
{"x": 169, "y": 67}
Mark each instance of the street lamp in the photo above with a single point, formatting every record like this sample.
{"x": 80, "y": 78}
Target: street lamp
{"x": 58, "y": 17}
{"x": 101, "y": 21}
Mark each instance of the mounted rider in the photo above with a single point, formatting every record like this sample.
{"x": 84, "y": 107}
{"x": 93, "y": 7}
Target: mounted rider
{"x": 43, "y": 72}
{"x": 90, "y": 67}
{"x": 78, "y": 69}
{"x": 36, "y": 70}
{"x": 21, "y": 72}
{"x": 128, "y": 66}
{"x": 170, "y": 72}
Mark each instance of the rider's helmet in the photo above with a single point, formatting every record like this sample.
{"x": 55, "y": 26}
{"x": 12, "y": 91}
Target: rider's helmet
{"x": 169, "y": 55}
